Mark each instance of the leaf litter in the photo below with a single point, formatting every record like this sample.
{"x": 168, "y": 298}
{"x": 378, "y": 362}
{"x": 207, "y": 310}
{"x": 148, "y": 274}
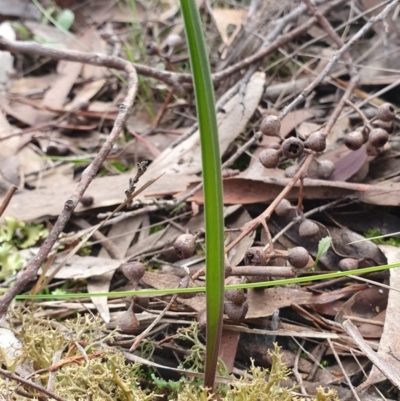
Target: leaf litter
{"x": 55, "y": 116}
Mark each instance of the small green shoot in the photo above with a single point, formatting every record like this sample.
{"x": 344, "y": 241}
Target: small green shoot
{"x": 15, "y": 235}
{"x": 323, "y": 247}
{"x": 65, "y": 19}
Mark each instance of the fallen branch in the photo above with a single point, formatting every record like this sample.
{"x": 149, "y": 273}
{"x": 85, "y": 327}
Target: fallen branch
{"x": 30, "y": 272}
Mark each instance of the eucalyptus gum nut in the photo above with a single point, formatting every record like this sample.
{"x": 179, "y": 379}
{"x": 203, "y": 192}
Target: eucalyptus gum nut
{"x": 185, "y": 246}
{"x": 308, "y": 228}
{"x": 269, "y": 158}
{"x": 325, "y": 169}
{"x": 141, "y": 301}
{"x": 365, "y": 133}
{"x": 378, "y": 137}
{"x": 316, "y": 141}
{"x": 291, "y": 171}
{"x": 292, "y": 148}
{"x": 298, "y": 257}
{"x": 270, "y": 126}
{"x": 133, "y": 271}
{"x": 386, "y": 125}
{"x": 386, "y": 112}
{"x": 283, "y": 207}
{"x": 237, "y": 296}
{"x": 255, "y": 256}
{"x": 128, "y": 322}
{"x": 348, "y": 264}
{"x": 236, "y": 312}
{"x": 354, "y": 140}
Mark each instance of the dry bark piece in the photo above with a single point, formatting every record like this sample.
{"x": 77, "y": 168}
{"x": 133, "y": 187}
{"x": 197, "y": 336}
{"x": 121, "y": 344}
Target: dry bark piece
{"x": 325, "y": 169}
{"x": 269, "y": 158}
{"x": 354, "y": 140}
{"x": 235, "y": 312}
{"x": 255, "y": 256}
{"x": 298, "y": 257}
{"x": 378, "y": 137}
{"x": 133, "y": 271}
{"x": 316, "y": 141}
{"x": 308, "y": 228}
{"x": 185, "y": 246}
{"x": 128, "y": 322}
{"x": 237, "y": 296}
{"x": 283, "y": 207}
{"x": 348, "y": 264}
{"x": 292, "y": 148}
{"x": 270, "y": 126}
{"x": 386, "y": 112}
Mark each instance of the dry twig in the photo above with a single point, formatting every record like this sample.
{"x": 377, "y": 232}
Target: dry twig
{"x": 30, "y": 272}
{"x": 28, "y": 383}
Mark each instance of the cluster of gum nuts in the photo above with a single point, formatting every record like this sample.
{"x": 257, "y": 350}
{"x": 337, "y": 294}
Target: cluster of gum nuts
{"x": 235, "y": 300}
{"x": 375, "y": 135}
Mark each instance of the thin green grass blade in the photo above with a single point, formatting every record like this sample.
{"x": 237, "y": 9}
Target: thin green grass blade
{"x": 170, "y": 291}
{"x": 212, "y": 180}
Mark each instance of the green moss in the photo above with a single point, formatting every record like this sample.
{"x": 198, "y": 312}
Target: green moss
{"x": 373, "y": 233}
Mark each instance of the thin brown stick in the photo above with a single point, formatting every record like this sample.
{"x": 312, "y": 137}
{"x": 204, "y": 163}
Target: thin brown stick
{"x": 275, "y": 271}
{"x": 171, "y": 78}
{"x": 10, "y": 193}
{"x": 360, "y": 33}
{"x": 28, "y": 383}
{"x": 253, "y": 224}
{"x": 30, "y": 272}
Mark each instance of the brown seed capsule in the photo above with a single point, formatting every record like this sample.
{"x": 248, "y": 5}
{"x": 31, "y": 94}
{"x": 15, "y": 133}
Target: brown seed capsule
{"x": 283, "y": 207}
{"x": 128, "y": 322}
{"x": 228, "y": 269}
{"x": 325, "y": 169}
{"x": 87, "y": 200}
{"x": 316, "y": 141}
{"x": 354, "y": 140}
{"x": 275, "y": 146}
{"x": 386, "y": 112}
{"x": 298, "y": 257}
{"x": 292, "y": 148}
{"x": 236, "y": 312}
{"x": 348, "y": 264}
{"x": 187, "y": 282}
{"x": 269, "y": 158}
{"x": 378, "y": 137}
{"x": 308, "y": 228}
{"x": 237, "y": 296}
{"x": 386, "y": 125}
{"x": 365, "y": 133}
{"x": 133, "y": 271}
{"x": 270, "y": 126}
{"x": 185, "y": 246}
{"x": 142, "y": 301}
{"x": 255, "y": 256}
{"x": 291, "y": 171}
